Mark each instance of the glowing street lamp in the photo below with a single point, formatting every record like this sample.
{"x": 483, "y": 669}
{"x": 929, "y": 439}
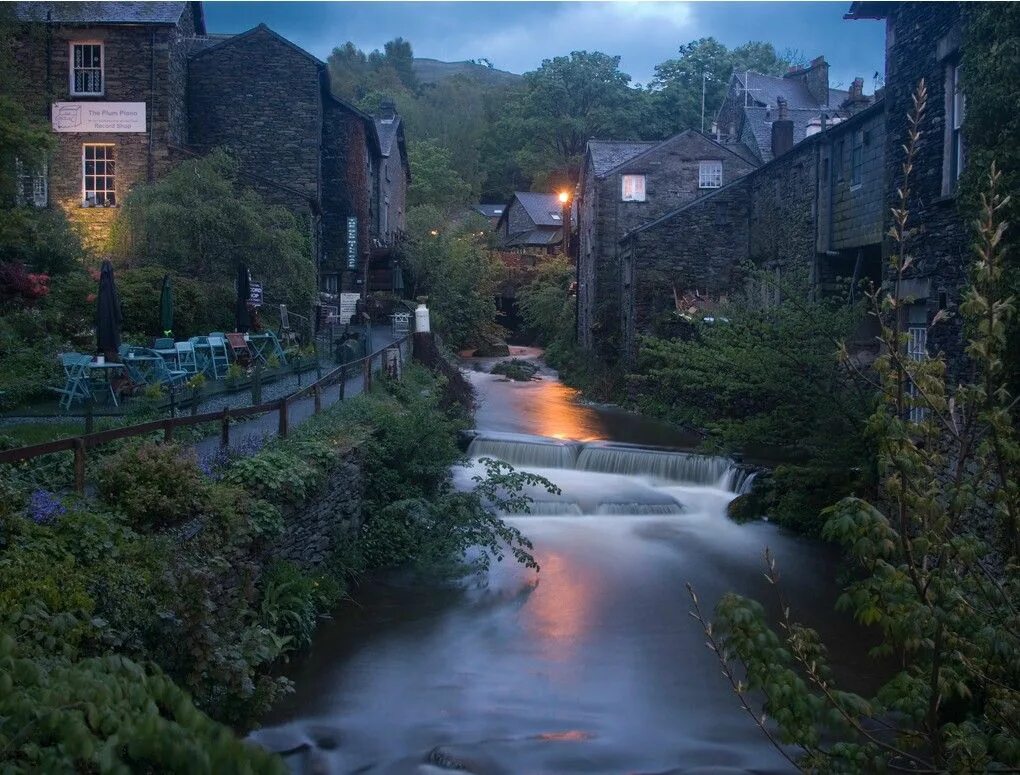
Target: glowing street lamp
{"x": 564, "y": 197}
{"x": 565, "y": 206}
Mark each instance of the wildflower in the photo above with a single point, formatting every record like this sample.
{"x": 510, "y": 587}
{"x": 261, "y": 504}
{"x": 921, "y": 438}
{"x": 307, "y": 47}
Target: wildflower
{"x": 44, "y": 507}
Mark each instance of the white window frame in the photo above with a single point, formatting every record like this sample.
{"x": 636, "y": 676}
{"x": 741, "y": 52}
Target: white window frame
{"x": 102, "y": 68}
{"x": 917, "y": 350}
{"x": 635, "y": 191}
{"x": 957, "y": 104}
{"x": 38, "y": 177}
{"x": 710, "y": 173}
{"x": 331, "y": 283}
{"x": 106, "y": 175}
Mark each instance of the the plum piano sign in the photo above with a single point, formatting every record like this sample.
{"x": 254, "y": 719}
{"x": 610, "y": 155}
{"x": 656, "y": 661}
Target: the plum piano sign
{"x": 98, "y": 116}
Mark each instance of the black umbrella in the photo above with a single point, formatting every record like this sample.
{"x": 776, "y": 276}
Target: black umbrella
{"x": 108, "y": 313}
{"x": 242, "y": 317}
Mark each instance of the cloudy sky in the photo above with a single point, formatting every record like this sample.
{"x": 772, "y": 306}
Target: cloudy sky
{"x": 517, "y": 36}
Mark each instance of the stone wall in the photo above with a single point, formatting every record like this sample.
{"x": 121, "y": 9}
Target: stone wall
{"x": 261, "y": 97}
{"x": 923, "y": 39}
{"x": 345, "y": 188}
{"x": 312, "y": 529}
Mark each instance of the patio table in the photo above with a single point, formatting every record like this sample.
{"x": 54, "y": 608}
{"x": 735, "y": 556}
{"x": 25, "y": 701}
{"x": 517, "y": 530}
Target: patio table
{"x": 260, "y": 346}
{"x": 107, "y": 370}
{"x": 144, "y": 365}
{"x": 168, "y": 354}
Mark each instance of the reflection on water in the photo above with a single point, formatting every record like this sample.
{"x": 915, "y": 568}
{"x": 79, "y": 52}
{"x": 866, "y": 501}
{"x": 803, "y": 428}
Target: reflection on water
{"x": 592, "y": 666}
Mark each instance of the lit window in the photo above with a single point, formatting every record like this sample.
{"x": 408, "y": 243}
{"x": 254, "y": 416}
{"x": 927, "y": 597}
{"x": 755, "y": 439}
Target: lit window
{"x": 957, "y": 108}
{"x": 87, "y": 69}
{"x": 709, "y": 174}
{"x": 856, "y": 158}
{"x": 31, "y": 189}
{"x": 98, "y": 175}
{"x": 633, "y": 188}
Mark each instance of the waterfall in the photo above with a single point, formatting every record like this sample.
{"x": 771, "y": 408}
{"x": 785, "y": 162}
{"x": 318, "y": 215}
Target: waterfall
{"x": 665, "y": 465}
{"x": 522, "y": 450}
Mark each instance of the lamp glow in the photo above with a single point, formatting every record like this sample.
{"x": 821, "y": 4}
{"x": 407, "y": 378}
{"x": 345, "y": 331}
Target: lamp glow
{"x": 564, "y": 196}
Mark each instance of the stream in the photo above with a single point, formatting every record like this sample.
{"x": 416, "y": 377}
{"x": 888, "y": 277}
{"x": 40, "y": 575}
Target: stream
{"x": 591, "y": 665}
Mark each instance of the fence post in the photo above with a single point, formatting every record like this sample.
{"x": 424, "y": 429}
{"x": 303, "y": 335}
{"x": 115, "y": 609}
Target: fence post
{"x": 317, "y": 395}
{"x": 283, "y": 418}
{"x": 225, "y": 428}
{"x": 168, "y": 431}
{"x": 79, "y": 466}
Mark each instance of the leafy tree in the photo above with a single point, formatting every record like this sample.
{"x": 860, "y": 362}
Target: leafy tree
{"x": 200, "y": 221}
{"x": 452, "y": 266}
{"x": 434, "y": 181}
{"x": 400, "y": 57}
{"x": 546, "y": 304}
{"x": 937, "y": 559}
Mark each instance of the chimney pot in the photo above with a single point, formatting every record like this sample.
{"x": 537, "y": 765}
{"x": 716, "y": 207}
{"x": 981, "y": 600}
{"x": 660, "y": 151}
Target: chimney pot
{"x": 782, "y": 130}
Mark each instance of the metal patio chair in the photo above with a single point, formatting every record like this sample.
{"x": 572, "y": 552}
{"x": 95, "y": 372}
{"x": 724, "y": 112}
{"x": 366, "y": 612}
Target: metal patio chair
{"x": 218, "y": 354}
{"x": 76, "y": 378}
{"x": 187, "y": 359}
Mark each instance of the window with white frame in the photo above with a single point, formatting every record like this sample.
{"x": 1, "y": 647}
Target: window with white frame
{"x": 87, "y": 69}
{"x": 710, "y": 174}
{"x": 956, "y": 105}
{"x": 331, "y": 283}
{"x": 917, "y": 350}
{"x": 32, "y": 183}
{"x": 633, "y": 188}
{"x": 98, "y": 175}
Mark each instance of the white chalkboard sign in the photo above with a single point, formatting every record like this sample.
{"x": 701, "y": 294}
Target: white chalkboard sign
{"x": 348, "y": 306}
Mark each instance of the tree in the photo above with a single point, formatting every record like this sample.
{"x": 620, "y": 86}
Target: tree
{"x": 400, "y": 57}
{"x": 201, "y": 222}
{"x": 546, "y": 304}
{"x": 434, "y": 181}
{"x": 937, "y": 558}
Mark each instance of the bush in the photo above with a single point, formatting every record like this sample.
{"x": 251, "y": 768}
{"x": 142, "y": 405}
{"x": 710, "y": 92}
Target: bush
{"x": 41, "y": 239}
{"x": 153, "y": 485}
{"x": 199, "y": 306}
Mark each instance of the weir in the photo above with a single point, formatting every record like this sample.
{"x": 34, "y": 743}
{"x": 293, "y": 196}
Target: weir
{"x": 661, "y": 465}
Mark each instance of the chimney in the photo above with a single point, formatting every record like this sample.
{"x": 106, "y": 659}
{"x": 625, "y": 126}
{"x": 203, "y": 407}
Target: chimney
{"x": 856, "y": 91}
{"x": 782, "y": 130}
{"x": 387, "y": 109}
{"x": 816, "y": 77}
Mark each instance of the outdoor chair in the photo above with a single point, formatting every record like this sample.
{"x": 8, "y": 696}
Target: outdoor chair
{"x": 187, "y": 361}
{"x": 167, "y": 376}
{"x": 238, "y": 348}
{"x": 76, "y": 378}
{"x": 287, "y": 335}
{"x": 163, "y": 343}
{"x": 218, "y": 354}
{"x": 203, "y": 355}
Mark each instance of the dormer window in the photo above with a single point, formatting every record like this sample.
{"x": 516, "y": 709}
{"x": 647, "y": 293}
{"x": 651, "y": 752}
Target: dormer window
{"x": 633, "y": 188}
{"x": 87, "y": 69}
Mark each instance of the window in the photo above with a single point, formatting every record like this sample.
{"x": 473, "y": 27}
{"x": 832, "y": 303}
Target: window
{"x": 917, "y": 350}
{"x": 856, "y": 158}
{"x": 98, "y": 176}
{"x": 709, "y": 174}
{"x": 86, "y": 69}
{"x": 31, "y": 186}
{"x": 633, "y": 188}
{"x": 956, "y": 108}
{"x": 330, "y": 283}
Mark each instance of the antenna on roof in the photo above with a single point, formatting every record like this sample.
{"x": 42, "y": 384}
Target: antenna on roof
{"x": 747, "y": 89}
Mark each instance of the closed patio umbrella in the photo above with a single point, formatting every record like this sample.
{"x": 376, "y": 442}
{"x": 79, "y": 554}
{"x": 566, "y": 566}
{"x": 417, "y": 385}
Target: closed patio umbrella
{"x": 108, "y": 313}
{"x": 241, "y": 316}
{"x": 166, "y": 307}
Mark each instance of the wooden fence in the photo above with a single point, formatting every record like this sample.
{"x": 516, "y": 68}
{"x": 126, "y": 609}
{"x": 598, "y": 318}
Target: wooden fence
{"x": 81, "y": 444}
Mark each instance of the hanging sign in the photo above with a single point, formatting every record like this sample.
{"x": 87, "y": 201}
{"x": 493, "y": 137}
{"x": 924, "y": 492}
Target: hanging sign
{"x": 255, "y": 295}
{"x": 98, "y": 116}
{"x": 352, "y": 243}
{"x": 348, "y": 306}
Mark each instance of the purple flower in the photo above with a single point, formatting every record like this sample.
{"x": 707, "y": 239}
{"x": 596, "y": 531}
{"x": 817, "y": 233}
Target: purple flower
{"x": 44, "y": 507}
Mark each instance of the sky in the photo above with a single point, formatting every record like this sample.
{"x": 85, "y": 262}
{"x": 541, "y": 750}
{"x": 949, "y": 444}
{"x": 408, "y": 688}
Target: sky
{"x": 517, "y": 36}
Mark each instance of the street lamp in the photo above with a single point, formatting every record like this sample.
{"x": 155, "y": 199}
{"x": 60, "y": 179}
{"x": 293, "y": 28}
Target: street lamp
{"x": 565, "y": 207}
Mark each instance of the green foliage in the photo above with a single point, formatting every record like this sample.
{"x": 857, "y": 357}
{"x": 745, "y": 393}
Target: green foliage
{"x": 292, "y": 602}
{"x": 434, "y": 181}
{"x": 200, "y": 306}
{"x": 546, "y": 304}
{"x": 277, "y": 475}
{"x": 201, "y": 222}
{"x": 937, "y": 560}
{"x": 153, "y": 485}
{"x": 457, "y": 273}
{"x": 41, "y": 239}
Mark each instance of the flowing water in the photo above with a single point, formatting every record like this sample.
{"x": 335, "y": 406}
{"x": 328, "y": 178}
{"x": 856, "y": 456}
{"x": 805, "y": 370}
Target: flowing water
{"x": 591, "y": 665}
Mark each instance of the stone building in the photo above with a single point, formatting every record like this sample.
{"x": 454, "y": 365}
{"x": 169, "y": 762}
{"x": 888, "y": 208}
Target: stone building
{"x": 111, "y": 79}
{"x": 531, "y": 222}
{"x": 390, "y": 199}
{"x": 136, "y": 87}
{"x": 923, "y": 40}
{"x": 626, "y": 184}
{"x": 817, "y": 206}
{"x": 753, "y": 102}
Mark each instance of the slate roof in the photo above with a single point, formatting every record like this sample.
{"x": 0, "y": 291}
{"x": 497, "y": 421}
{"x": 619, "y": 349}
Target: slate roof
{"x": 489, "y": 211}
{"x": 543, "y": 209}
{"x": 758, "y": 126}
{"x": 766, "y": 89}
{"x": 387, "y": 131}
{"x": 609, "y": 154}
{"x": 535, "y": 237}
{"x": 101, "y": 12}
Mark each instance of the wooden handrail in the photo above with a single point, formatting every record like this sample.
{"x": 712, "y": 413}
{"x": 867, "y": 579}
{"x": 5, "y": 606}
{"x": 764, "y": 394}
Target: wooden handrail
{"x": 88, "y": 440}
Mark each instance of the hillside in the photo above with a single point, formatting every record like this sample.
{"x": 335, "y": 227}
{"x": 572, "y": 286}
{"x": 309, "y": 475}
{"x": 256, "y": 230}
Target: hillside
{"x": 433, "y": 71}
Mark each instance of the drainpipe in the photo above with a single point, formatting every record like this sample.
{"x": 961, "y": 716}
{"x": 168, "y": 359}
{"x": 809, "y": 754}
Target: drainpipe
{"x": 150, "y": 111}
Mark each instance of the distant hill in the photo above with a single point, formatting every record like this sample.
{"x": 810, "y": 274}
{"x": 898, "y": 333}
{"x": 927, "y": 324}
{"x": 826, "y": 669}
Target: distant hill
{"x": 434, "y": 71}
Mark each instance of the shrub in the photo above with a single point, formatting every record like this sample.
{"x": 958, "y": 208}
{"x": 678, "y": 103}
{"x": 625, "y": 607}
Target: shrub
{"x": 153, "y": 485}
{"x": 276, "y": 475}
{"x": 41, "y": 239}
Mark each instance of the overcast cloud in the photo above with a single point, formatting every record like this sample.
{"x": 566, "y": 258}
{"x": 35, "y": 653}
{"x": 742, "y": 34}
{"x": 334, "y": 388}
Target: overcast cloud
{"x": 518, "y": 36}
